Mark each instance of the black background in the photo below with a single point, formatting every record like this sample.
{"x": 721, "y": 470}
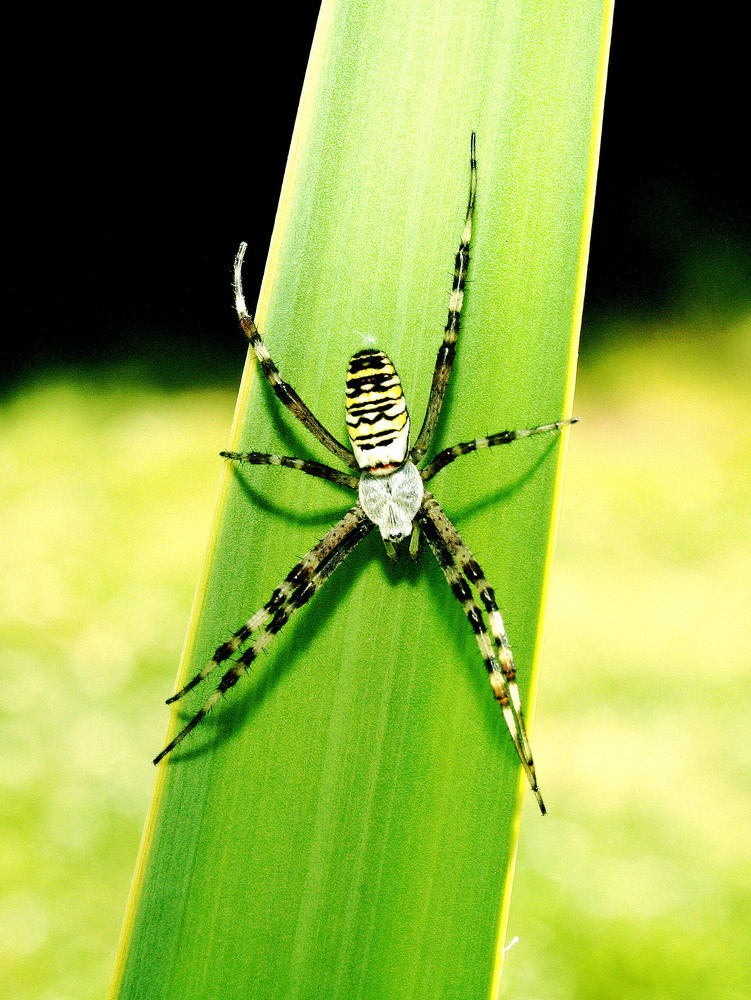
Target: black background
{"x": 140, "y": 155}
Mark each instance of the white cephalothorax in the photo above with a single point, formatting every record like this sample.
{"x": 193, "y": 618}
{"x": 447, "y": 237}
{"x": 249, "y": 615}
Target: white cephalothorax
{"x": 387, "y": 474}
{"x": 392, "y": 501}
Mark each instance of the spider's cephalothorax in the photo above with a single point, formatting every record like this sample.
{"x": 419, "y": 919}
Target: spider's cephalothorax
{"x": 385, "y": 472}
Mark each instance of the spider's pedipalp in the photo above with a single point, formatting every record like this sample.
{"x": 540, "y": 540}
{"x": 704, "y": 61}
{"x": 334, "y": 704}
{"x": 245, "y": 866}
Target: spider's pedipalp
{"x": 304, "y": 580}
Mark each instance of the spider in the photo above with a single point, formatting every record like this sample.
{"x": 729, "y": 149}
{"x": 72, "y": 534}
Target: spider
{"x": 385, "y": 471}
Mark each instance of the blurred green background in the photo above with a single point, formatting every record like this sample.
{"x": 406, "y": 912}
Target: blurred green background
{"x": 121, "y": 365}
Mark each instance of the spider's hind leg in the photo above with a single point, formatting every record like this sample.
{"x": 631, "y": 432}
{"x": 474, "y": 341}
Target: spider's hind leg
{"x": 447, "y": 351}
{"x": 283, "y": 390}
{"x": 390, "y": 549}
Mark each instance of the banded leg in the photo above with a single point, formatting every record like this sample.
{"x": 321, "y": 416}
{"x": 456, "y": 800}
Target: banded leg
{"x": 300, "y": 584}
{"x": 472, "y": 571}
{"x": 448, "y": 455}
{"x": 284, "y": 392}
{"x": 461, "y": 569}
{"x": 302, "y": 464}
{"x": 310, "y": 563}
{"x": 447, "y": 350}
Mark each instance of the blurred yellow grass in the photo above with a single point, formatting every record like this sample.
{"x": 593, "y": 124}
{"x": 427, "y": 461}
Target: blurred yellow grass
{"x": 106, "y": 503}
{"x": 640, "y": 886}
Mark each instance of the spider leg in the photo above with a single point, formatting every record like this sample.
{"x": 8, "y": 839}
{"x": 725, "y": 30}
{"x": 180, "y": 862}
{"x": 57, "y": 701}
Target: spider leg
{"x": 460, "y": 568}
{"x": 448, "y": 455}
{"x": 447, "y": 350}
{"x": 302, "y": 464}
{"x": 474, "y": 574}
{"x": 318, "y": 558}
{"x": 300, "y": 584}
{"x": 284, "y": 392}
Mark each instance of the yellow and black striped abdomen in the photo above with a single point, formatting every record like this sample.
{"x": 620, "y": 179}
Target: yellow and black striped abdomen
{"x": 377, "y": 418}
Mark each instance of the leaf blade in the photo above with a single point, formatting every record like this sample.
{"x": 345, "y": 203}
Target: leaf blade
{"x": 356, "y": 802}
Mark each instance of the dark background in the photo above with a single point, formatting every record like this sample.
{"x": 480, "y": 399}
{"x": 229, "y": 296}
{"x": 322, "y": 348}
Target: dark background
{"x": 141, "y": 154}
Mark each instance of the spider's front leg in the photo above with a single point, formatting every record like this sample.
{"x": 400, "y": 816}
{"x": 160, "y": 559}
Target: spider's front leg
{"x": 461, "y": 570}
{"x": 300, "y": 584}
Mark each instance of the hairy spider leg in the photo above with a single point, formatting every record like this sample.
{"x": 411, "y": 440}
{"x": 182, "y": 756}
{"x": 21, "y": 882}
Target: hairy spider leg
{"x": 284, "y": 392}
{"x": 474, "y": 574}
{"x": 300, "y": 584}
{"x": 299, "y": 574}
{"x": 447, "y": 350}
{"x": 461, "y": 569}
{"x": 305, "y": 465}
{"x": 448, "y": 455}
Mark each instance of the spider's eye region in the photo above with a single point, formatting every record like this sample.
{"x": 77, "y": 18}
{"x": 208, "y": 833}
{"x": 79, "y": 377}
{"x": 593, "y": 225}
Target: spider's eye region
{"x": 377, "y": 418}
{"x": 391, "y": 502}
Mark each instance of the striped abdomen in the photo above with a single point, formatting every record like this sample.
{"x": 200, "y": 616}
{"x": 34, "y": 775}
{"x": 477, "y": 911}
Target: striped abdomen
{"x": 377, "y": 418}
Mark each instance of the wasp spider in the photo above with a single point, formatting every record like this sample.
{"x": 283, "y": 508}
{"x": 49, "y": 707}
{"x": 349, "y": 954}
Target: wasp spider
{"x": 385, "y": 472}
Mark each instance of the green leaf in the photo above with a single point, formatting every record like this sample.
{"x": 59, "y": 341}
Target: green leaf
{"x": 344, "y": 824}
